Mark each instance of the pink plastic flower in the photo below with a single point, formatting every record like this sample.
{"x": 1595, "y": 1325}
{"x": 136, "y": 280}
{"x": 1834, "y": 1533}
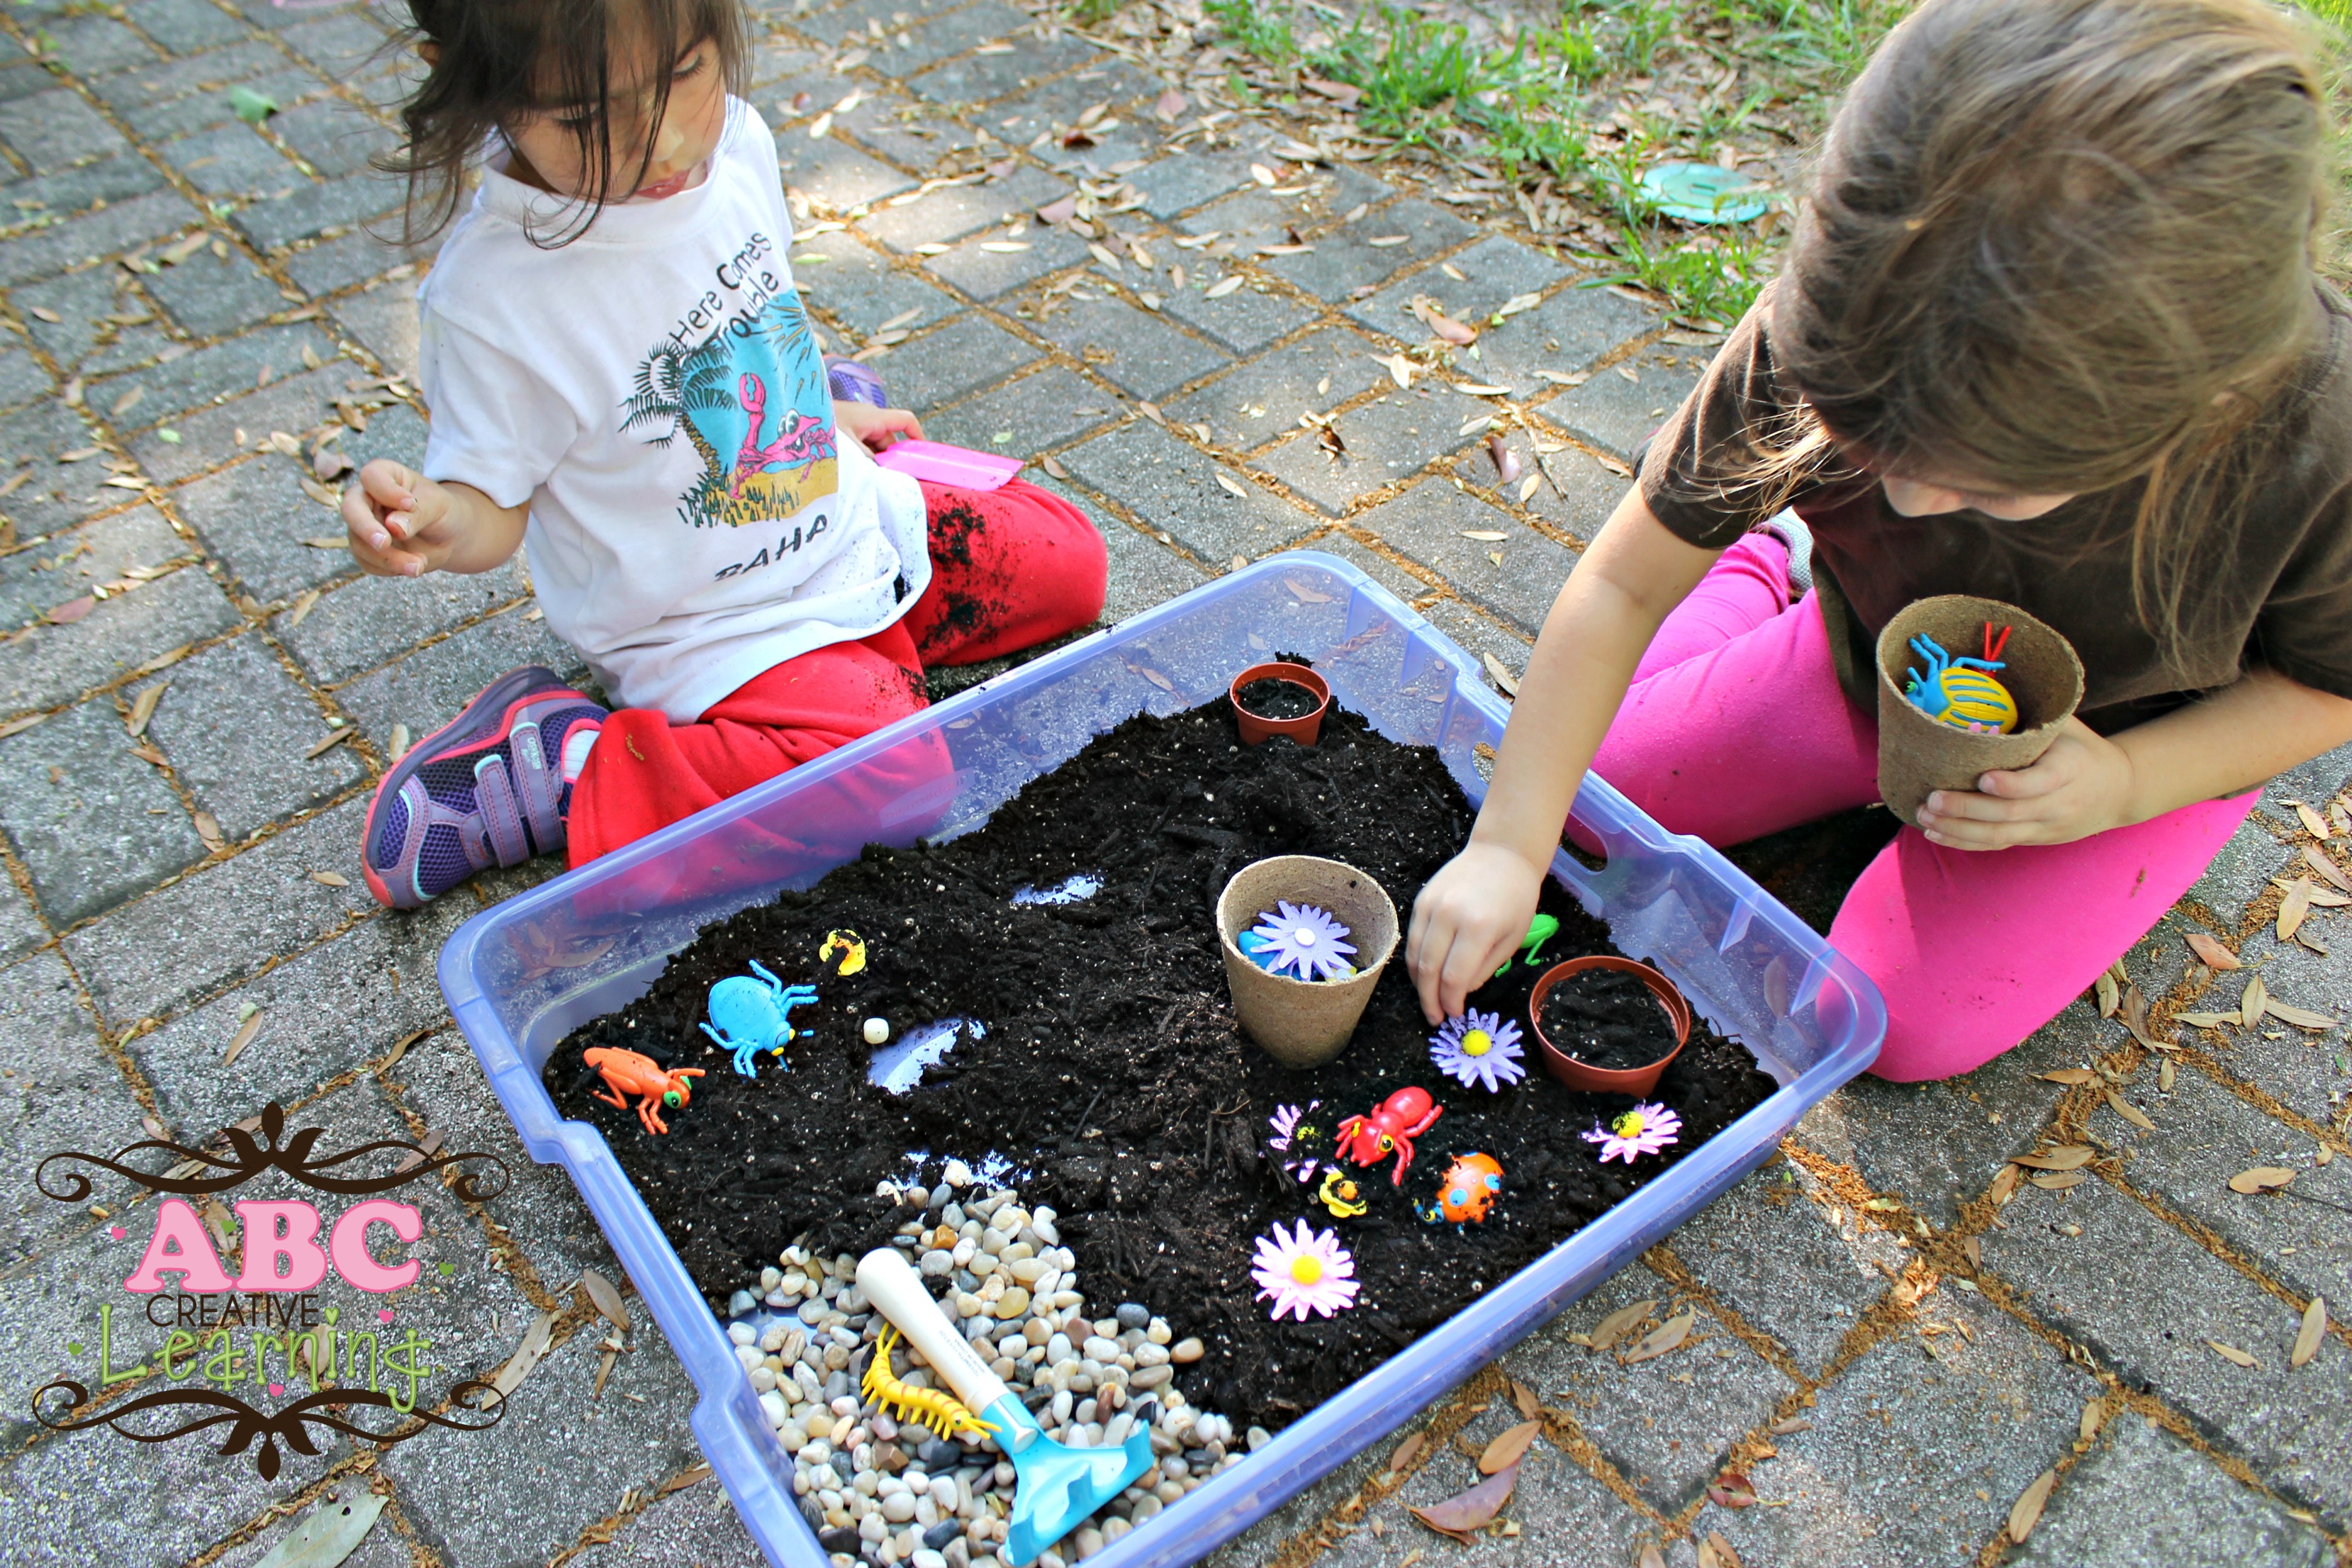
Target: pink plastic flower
{"x": 1308, "y": 1271}
{"x": 1644, "y": 1130}
{"x": 1302, "y": 938}
{"x": 1479, "y": 1048}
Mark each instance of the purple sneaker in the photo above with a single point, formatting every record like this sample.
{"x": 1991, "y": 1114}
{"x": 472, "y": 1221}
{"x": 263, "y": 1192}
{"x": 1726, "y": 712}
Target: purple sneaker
{"x": 486, "y": 789}
{"x": 854, "y": 383}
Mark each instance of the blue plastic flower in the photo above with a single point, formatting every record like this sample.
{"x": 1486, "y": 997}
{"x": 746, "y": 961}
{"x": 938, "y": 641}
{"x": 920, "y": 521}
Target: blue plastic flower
{"x": 1479, "y": 1048}
{"x": 1302, "y": 938}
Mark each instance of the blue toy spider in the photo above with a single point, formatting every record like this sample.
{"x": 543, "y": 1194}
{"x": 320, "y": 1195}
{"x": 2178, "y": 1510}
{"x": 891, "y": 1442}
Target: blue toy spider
{"x": 751, "y": 1015}
{"x": 1960, "y": 692}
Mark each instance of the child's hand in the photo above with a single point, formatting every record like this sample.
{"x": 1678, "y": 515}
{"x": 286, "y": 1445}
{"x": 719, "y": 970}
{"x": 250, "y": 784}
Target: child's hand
{"x": 399, "y": 520}
{"x": 878, "y": 428}
{"x": 2081, "y": 786}
{"x": 1470, "y": 917}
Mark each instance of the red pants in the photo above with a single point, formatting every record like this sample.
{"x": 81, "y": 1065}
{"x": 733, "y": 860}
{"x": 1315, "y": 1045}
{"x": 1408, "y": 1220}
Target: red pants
{"x": 1009, "y": 568}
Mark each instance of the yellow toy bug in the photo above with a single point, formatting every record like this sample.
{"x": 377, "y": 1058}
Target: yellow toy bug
{"x": 1960, "y": 692}
{"x": 851, "y": 947}
{"x": 942, "y": 1412}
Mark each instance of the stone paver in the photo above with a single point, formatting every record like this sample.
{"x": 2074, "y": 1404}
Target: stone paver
{"x": 210, "y": 294}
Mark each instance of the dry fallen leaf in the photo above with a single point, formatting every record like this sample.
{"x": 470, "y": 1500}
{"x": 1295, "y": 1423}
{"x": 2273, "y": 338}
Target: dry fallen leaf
{"x": 1229, "y": 485}
{"x": 1618, "y": 1324}
{"x": 1650, "y": 1556}
{"x": 2129, "y": 1112}
{"x": 1667, "y": 1336}
{"x": 2313, "y": 822}
{"x": 2211, "y": 952}
{"x": 2261, "y": 1178}
{"x": 72, "y": 610}
{"x": 208, "y": 829}
{"x": 2206, "y": 1020}
{"x": 1462, "y": 1516}
{"x": 1054, "y": 467}
{"x": 244, "y": 1038}
{"x": 1407, "y": 1452}
{"x": 144, "y": 709}
{"x": 2314, "y": 1329}
{"x": 2026, "y": 1513}
{"x": 1731, "y": 1490}
{"x": 2111, "y": 996}
{"x": 2232, "y": 1354}
{"x": 1500, "y": 673}
{"x": 1222, "y": 286}
{"x": 2064, "y": 1157}
{"x": 605, "y": 1298}
{"x": 1169, "y": 104}
{"x": 1525, "y": 1398}
{"x": 330, "y": 878}
{"x": 2072, "y": 1075}
{"x": 2318, "y": 859}
{"x": 1506, "y": 1451}
{"x": 327, "y": 742}
{"x": 1484, "y": 535}
{"x": 526, "y": 1356}
{"x": 1793, "y": 1424}
{"x": 1720, "y": 1549}
{"x": 1311, "y": 595}
{"x": 2295, "y": 908}
{"x": 2301, "y": 1017}
{"x": 2057, "y": 1181}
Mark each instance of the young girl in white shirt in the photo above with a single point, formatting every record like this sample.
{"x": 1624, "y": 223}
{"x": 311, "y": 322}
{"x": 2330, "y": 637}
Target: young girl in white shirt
{"x": 620, "y": 371}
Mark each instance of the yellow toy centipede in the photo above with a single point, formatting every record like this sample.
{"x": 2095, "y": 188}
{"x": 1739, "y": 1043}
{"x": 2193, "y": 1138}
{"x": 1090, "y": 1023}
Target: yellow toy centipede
{"x": 942, "y": 1412}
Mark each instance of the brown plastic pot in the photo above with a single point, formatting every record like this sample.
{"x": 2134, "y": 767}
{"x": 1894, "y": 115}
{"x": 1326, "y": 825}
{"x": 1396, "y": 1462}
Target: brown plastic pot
{"x": 1302, "y": 1023}
{"x": 1303, "y": 730}
{"x": 1582, "y": 1075}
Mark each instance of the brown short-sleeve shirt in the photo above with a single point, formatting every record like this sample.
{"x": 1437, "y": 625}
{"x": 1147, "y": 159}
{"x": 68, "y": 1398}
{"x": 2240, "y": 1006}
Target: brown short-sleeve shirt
{"x": 2282, "y": 599}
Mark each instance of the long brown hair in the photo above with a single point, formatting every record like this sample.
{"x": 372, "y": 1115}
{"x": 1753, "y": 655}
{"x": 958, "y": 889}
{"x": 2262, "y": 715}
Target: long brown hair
{"x": 2065, "y": 246}
{"x": 494, "y": 61}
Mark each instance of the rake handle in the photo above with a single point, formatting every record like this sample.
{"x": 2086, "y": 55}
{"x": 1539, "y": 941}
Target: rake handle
{"x": 897, "y": 1292}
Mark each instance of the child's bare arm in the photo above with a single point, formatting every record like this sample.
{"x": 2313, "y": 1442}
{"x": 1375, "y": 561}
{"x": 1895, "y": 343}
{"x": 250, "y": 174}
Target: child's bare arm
{"x": 403, "y": 524}
{"x": 1477, "y": 908}
{"x": 2260, "y": 725}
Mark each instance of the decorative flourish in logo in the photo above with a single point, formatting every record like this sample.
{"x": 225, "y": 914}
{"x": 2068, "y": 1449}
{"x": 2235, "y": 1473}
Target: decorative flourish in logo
{"x": 249, "y": 1158}
{"x": 290, "y": 1424}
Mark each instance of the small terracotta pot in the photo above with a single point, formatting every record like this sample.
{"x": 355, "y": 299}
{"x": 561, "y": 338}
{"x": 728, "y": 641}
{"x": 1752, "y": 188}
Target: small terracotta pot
{"x": 1608, "y": 1080}
{"x": 1303, "y": 730}
{"x": 1299, "y": 1022}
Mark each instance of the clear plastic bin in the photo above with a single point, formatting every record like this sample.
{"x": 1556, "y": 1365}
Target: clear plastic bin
{"x": 1752, "y": 968}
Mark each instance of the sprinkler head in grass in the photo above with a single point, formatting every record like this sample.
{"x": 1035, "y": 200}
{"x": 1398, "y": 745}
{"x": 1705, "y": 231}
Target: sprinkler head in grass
{"x": 1298, "y": 1140}
{"x": 1302, "y": 938}
{"x": 851, "y": 947}
{"x": 1644, "y": 1130}
{"x": 1479, "y": 1049}
{"x": 1339, "y": 1194}
{"x": 749, "y": 1015}
{"x": 1304, "y": 1271}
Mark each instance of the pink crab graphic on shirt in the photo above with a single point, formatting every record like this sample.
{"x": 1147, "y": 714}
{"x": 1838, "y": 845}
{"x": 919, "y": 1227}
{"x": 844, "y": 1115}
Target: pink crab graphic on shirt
{"x": 803, "y": 442}
{"x": 752, "y": 401}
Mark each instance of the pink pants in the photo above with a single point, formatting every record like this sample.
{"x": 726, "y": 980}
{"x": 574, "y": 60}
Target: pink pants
{"x": 1736, "y": 727}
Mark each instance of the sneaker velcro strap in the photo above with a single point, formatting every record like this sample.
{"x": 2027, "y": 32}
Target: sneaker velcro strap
{"x": 494, "y": 801}
{"x": 537, "y": 787}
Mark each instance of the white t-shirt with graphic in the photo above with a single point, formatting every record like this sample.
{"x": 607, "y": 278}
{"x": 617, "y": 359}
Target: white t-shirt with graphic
{"x": 652, "y": 389}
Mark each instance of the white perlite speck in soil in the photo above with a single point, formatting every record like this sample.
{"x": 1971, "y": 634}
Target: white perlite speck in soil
{"x": 877, "y": 1491}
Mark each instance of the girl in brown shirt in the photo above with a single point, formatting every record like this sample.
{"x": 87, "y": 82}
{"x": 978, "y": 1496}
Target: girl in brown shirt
{"x": 2047, "y": 333}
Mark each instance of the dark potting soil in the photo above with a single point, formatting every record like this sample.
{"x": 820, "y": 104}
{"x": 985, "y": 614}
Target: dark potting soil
{"x": 1272, "y": 698}
{"x": 1607, "y": 1018}
{"x": 1112, "y": 1074}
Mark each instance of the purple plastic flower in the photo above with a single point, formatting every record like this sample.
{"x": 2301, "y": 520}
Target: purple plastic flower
{"x": 1479, "y": 1048}
{"x": 1304, "y": 938}
{"x": 1303, "y": 1272}
{"x": 1291, "y": 1127}
{"x": 1644, "y": 1130}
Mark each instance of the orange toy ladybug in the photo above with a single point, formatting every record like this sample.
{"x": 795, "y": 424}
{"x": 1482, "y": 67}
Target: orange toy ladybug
{"x": 627, "y": 1073}
{"x": 1471, "y": 1184}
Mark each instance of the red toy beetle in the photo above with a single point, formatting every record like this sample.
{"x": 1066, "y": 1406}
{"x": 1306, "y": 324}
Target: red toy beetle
{"x": 1392, "y": 1127}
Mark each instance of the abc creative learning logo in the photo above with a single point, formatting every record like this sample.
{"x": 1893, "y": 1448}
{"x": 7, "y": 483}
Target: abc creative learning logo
{"x": 222, "y": 1340}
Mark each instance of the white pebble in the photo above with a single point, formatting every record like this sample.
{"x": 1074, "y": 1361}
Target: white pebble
{"x": 742, "y": 1334}
{"x": 772, "y": 1405}
{"x": 877, "y": 1031}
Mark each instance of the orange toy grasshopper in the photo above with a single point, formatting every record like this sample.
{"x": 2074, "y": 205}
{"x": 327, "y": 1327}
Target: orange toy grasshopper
{"x": 626, "y": 1073}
